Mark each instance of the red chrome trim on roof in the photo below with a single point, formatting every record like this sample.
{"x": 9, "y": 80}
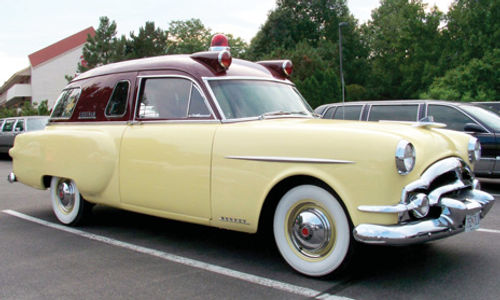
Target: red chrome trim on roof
{"x": 60, "y": 47}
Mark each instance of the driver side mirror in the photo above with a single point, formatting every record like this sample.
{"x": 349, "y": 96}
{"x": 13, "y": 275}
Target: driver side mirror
{"x": 473, "y": 127}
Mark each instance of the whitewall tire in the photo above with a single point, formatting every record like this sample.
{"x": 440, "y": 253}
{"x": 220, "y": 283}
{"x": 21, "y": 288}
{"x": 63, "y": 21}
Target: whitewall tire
{"x": 311, "y": 230}
{"x": 67, "y": 203}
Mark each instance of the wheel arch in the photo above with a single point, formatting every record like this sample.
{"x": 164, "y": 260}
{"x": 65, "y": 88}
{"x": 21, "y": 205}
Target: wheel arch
{"x": 276, "y": 193}
{"x": 46, "y": 181}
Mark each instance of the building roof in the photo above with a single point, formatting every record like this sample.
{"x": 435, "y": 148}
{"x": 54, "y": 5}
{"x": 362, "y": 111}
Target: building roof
{"x": 22, "y": 76}
{"x": 60, "y": 47}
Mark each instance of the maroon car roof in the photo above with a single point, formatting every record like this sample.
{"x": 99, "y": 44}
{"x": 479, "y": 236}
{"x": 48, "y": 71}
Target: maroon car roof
{"x": 181, "y": 62}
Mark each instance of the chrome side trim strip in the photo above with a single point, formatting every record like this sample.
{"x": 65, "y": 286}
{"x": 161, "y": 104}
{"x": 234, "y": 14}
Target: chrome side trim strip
{"x": 291, "y": 159}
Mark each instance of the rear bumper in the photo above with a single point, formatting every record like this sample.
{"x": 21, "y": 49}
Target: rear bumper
{"x": 458, "y": 199}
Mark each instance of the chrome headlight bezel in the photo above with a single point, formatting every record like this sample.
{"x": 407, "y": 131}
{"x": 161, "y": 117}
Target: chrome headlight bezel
{"x": 405, "y": 157}
{"x": 474, "y": 150}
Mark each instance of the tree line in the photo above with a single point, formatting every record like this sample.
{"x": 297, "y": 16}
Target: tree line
{"x": 407, "y": 50}
{"x": 28, "y": 109}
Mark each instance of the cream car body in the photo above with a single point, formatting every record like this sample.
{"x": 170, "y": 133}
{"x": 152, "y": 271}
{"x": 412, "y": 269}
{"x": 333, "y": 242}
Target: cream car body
{"x": 317, "y": 183}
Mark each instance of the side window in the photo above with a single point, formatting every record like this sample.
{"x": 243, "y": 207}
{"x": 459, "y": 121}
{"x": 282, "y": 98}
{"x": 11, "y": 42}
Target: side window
{"x": 66, "y": 104}
{"x": 329, "y": 113}
{"x": 9, "y": 124}
{"x": 19, "y": 126}
{"x": 402, "y": 112}
{"x": 453, "y": 118}
{"x": 170, "y": 98}
{"x": 197, "y": 106}
{"x": 349, "y": 112}
{"x": 117, "y": 104}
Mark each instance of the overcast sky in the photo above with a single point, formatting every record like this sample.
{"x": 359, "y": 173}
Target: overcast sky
{"x": 30, "y": 25}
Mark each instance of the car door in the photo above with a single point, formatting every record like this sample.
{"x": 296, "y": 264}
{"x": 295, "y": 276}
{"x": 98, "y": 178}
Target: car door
{"x": 165, "y": 160}
{"x": 457, "y": 120}
{"x": 7, "y": 134}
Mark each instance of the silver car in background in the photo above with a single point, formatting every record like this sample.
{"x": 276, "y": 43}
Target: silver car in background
{"x": 471, "y": 118}
{"x": 11, "y": 127}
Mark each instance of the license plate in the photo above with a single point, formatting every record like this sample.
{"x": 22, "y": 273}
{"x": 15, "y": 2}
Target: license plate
{"x": 472, "y": 222}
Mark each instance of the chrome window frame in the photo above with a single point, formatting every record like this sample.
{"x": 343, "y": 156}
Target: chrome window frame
{"x": 140, "y": 86}
{"x": 204, "y": 100}
{"x": 59, "y": 99}
{"x": 111, "y": 97}
{"x": 224, "y": 119}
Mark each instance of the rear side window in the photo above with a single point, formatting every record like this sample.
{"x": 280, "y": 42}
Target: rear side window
{"x": 66, "y": 104}
{"x": 329, "y": 113}
{"x": 170, "y": 98}
{"x": 402, "y": 112}
{"x": 117, "y": 104}
{"x": 19, "y": 126}
{"x": 9, "y": 124}
{"x": 349, "y": 112}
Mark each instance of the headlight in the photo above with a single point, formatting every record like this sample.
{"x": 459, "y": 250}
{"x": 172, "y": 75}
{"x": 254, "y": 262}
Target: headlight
{"x": 474, "y": 149}
{"x": 405, "y": 157}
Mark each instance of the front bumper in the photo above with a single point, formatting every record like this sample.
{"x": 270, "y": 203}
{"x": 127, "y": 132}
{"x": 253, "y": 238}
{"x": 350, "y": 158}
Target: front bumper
{"x": 457, "y": 200}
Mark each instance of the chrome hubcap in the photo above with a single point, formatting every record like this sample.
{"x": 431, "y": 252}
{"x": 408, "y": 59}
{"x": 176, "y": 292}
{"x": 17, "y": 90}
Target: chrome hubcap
{"x": 310, "y": 231}
{"x": 66, "y": 194}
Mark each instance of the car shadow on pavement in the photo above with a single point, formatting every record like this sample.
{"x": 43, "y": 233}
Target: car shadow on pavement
{"x": 5, "y": 156}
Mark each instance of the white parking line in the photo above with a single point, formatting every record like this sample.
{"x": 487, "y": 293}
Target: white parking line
{"x": 290, "y": 288}
{"x": 488, "y": 230}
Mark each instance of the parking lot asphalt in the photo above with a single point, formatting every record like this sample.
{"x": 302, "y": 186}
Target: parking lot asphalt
{"x": 123, "y": 255}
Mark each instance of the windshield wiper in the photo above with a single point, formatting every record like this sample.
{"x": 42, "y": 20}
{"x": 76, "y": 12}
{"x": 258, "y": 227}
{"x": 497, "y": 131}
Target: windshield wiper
{"x": 281, "y": 113}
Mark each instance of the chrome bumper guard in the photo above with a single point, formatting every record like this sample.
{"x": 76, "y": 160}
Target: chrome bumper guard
{"x": 457, "y": 201}
{"x": 11, "y": 177}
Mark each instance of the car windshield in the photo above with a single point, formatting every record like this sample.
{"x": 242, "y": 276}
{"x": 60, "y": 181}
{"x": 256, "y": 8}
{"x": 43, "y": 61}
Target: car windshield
{"x": 487, "y": 117}
{"x": 246, "y": 98}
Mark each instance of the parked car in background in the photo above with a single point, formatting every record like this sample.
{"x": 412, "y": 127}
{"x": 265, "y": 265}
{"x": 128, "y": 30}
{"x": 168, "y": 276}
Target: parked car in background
{"x": 465, "y": 117}
{"x": 11, "y": 127}
{"x": 492, "y": 105}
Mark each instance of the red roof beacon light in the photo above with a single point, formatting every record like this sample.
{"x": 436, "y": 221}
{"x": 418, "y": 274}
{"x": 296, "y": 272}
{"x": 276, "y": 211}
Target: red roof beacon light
{"x": 280, "y": 68}
{"x": 225, "y": 59}
{"x": 287, "y": 67}
{"x": 219, "y": 43}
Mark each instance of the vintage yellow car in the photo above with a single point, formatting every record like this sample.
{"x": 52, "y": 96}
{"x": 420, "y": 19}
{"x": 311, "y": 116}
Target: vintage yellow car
{"x": 206, "y": 139}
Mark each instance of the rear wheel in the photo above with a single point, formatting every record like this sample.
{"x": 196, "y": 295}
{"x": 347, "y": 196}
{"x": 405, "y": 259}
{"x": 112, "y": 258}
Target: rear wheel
{"x": 67, "y": 203}
{"x": 311, "y": 230}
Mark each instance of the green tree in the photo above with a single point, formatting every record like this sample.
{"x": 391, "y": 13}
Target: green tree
{"x": 478, "y": 80}
{"x": 315, "y": 23}
{"x": 43, "y": 108}
{"x": 188, "y": 37}
{"x": 150, "y": 41}
{"x": 100, "y": 49}
{"x": 405, "y": 46}
{"x": 238, "y": 46}
{"x": 472, "y": 29}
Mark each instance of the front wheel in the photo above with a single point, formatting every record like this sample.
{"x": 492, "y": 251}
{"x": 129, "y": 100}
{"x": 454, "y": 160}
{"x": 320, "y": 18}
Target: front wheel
{"x": 311, "y": 230}
{"x": 67, "y": 203}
